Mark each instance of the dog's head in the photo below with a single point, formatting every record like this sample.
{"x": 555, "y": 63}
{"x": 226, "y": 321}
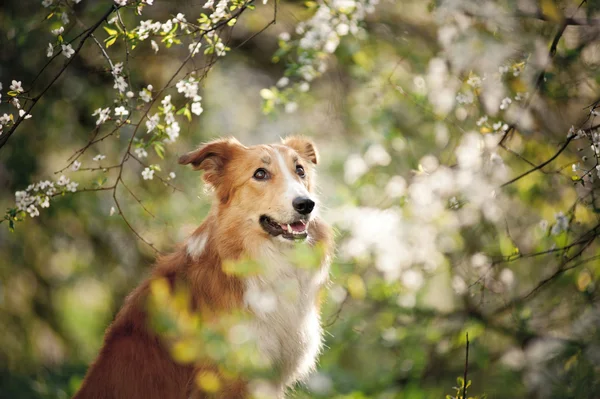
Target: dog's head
{"x": 263, "y": 189}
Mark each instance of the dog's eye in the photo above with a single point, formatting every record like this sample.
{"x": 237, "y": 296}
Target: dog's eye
{"x": 300, "y": 171}
{"x": 261, "y": 174}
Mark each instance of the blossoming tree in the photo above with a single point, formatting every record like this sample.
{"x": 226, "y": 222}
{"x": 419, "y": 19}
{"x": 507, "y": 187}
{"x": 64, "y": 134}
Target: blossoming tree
{"x": 461, "y": 166}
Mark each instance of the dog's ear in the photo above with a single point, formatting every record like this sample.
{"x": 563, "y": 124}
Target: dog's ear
{"x": 212, "y": 158}
{"x": 303, "y": 146}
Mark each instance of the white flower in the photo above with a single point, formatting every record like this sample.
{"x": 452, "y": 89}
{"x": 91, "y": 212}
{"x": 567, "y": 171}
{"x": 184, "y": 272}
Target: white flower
{"x": 459, "y": 285}
{"x": 354, "y": 167}
{"x": 154, "y": 46}
{"x": 76, "y": 165}
{"x": 180, "y": 18}
{"x": 521, "y": 96}
{"x": 465, "y": 98}
{"x": 291, "y": 107}
{"x": 44, "y": 201}
{"x": 23, "y": 114}
{"x": 62, "y": 180}
{"x": 284, "y": 36}
{"x": 145, "y": 96}
{"x": 505, "y": 102}
{"x": 120, "y": 84}
{"x": 50, "y": 50}
{"x": 140, "y": 152}
{"x": 152, "y": 122}
{"x": 58, "y": 31}
{"x": 167, "y": 26}
{"x": 188, "y": 87}
{"x": 148, "y": 174}
{"x": 377, "y": 155}
{"x": 112, "y": 210}
{"x": 283, "y": 82}
{"x": 33, "y": 211}
{"x": 474, "y": 81}
{"x": 117, "y": 69}
{"x": 4, "y": 119}
{"x": 171, "y": 175}
{"x": 482, "y": 120}
{"x": 194, "y": 48}
{"x": 303, "y": 87}
{"x": 173, "y": 131}
{"x": 197, "y": 108}
{"x": 98, "y": 157}
{"x": 220, "y": 49}
{"x": 562, "y": 223}
{"x": 72, "y": 186}
{"x": 166, "y": 102}
{"x": 47, "y": 3}
{"x": 121, "y": 3}
{"x": 103, "y": 115}
{"x": 67, "y": 50}
{"x": 130, "y": 94}
{"x": 121, "y": 111}
{"x": 16, "y": 86}
{"x": 342, "y": 29}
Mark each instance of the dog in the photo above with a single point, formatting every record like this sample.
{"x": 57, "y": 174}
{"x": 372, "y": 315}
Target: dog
{"x": 264, "y": 206}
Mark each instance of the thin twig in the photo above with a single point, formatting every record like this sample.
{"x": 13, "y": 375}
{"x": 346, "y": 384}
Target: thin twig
{"x": 540, "y": 166}
{"x": 4, "y": 138}
{"x": 466, "y": 369}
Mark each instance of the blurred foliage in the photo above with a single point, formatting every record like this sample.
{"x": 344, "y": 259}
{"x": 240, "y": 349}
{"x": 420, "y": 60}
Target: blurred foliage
{"x": 396, "y": 116}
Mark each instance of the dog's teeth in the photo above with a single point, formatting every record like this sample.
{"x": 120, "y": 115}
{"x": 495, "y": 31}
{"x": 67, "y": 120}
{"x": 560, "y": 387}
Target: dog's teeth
{"x": 289, "y": 229}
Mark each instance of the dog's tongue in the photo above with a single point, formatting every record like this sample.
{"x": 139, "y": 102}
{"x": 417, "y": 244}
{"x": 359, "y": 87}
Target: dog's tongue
{"x": 296, "y": 226}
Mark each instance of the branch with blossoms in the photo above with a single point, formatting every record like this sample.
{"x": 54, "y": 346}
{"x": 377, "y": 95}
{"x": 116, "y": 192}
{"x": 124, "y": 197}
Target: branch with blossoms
{"x": 155, "y": 112}
{"x": 306, "y": 54}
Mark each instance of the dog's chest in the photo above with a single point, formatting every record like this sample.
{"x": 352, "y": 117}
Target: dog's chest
{"x": 286, "y": 319}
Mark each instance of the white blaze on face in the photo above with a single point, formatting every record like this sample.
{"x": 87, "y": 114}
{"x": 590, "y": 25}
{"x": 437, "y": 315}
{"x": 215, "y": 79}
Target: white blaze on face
{"x": 294, "y": 188}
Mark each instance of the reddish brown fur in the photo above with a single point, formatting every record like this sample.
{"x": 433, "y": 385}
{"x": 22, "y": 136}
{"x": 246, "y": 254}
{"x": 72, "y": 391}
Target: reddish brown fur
{"x": 134, "y": 362}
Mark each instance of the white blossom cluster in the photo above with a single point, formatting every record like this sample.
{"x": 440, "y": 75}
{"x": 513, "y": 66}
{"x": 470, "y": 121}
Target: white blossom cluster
{"x": 586, "y": 174}
{"x": 317, "y": 37}
{"x": 419, "y": 237}
{"x": 39, "y": 194}
{"x": 162, "y": 126}
{"x": 189, "y": 87}
{"x": 169, "y": 31}
{"x": 8, "y": 119}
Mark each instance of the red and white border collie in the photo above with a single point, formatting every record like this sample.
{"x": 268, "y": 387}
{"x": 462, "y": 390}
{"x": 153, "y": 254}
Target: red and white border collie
{"x": 264, "y": 205}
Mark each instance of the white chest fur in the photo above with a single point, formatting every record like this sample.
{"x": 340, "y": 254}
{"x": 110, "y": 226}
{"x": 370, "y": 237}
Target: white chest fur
{"x": 286, "y": 323}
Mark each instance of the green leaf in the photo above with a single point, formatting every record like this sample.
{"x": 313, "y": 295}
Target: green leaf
{"x": 160, "y": 150}
{"x": 111, "y": 32}
{"x": 110, "y": 41}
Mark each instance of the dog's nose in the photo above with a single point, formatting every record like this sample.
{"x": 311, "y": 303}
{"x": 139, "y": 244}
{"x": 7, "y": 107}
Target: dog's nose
{"x": 303, "y": 205}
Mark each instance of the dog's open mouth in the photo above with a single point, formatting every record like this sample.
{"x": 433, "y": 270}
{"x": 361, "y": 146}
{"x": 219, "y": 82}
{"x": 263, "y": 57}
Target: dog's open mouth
{"x": 291, "y": 231}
